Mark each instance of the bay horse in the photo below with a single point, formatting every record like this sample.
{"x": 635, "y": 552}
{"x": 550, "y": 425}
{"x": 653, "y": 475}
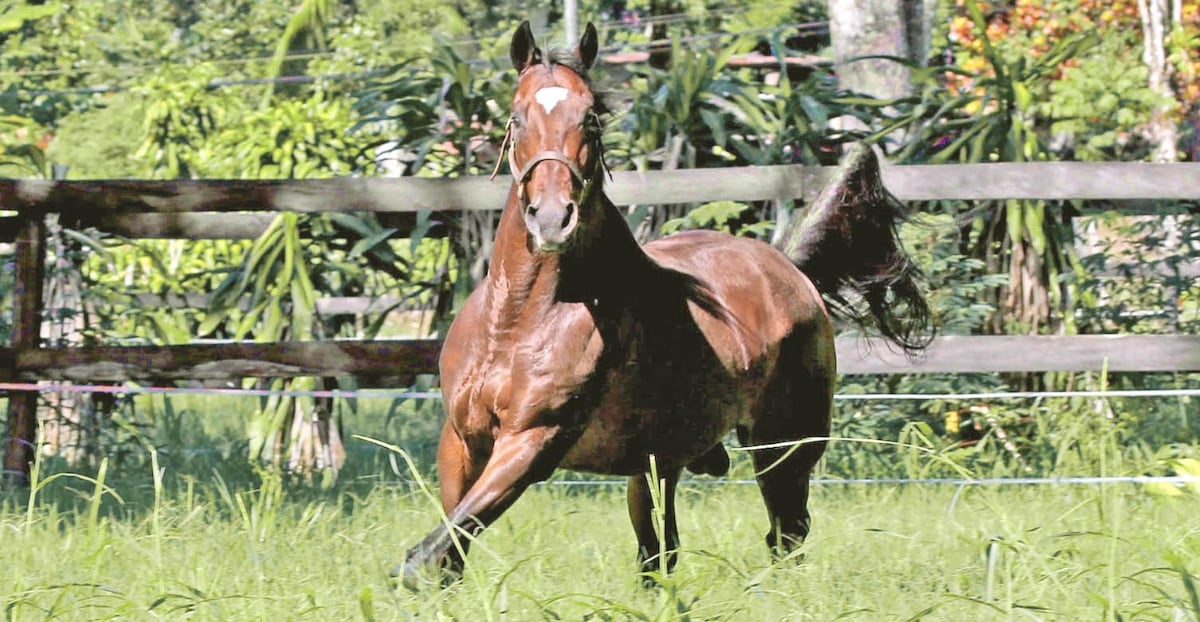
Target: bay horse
{"x": 584, "y": 350}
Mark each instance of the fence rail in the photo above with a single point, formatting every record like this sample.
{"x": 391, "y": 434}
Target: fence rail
{"x": 208, "y": 209}
{"x": 125, "y": 206}
{"x": 397, "y": 362}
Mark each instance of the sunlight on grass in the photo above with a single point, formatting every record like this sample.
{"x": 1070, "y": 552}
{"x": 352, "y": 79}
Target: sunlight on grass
{"x": 175, "y": 546}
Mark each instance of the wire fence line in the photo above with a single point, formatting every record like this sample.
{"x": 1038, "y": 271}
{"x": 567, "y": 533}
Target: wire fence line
{"x": 384, "y": 71}
{"x": 1178, "y": 480}
{"x": 478, "y": 40}
{"x": 436, "y": 395}
{"x": 960, "y": 482}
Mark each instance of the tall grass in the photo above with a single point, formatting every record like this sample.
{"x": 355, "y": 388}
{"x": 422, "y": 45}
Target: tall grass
{"x": 177, "y": 545}
{"x": 172, "y": 532}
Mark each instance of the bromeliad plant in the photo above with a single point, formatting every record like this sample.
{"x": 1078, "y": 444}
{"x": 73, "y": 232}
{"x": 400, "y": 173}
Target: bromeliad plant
{"x": 995, "y": 119}
{"x": 272, "y": 295}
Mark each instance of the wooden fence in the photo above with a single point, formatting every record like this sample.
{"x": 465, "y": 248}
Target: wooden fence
{"x": 216, "y": 209}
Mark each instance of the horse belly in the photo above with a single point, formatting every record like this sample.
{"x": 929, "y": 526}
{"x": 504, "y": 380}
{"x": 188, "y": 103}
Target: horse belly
{"x": 621, "y": 435}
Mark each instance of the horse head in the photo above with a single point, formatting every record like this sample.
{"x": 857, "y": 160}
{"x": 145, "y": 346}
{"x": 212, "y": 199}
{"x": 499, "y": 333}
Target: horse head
{"x": 554, "y": 129}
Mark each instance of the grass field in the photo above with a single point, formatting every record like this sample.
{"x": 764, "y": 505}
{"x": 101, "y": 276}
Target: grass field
{"x": 219, "y": 545}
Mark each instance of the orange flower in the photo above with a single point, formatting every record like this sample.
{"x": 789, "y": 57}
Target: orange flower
{"x": 961, "y": 28}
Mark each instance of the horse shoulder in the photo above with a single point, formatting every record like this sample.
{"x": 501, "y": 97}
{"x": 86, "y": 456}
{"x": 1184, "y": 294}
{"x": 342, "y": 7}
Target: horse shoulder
{"x": 460, "y": 349}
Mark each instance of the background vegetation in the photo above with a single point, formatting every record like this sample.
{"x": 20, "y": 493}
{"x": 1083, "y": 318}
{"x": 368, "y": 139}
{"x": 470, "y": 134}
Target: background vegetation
{"x": 207, "y": 89}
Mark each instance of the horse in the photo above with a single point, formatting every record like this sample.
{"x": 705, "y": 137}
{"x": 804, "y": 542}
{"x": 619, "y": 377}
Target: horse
{"x": 584, "y": 350}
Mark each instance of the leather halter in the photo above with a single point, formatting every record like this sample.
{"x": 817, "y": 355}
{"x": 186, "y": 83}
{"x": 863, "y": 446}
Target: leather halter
{"x": 577, "y": 175}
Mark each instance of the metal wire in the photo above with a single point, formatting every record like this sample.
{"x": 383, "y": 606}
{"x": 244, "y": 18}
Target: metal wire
{"x": 902, "y": 481}
{"x": 357, "y": 76}
{"x": 960, "y": 482}
{"x": 436, "y": 395}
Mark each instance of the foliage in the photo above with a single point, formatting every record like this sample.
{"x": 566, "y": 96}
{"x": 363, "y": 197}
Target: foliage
{"x": 116, "y": 269}
{"x": 445, "y": 119}
{"x": 1142, "y": 274}
{"x": 1034, "y": 26}
{"x": 1100, "y": 103}
{"x": 957, "y": 283}
{"x": 675, "y": 114}
{"x": 21, "y": 154}
{"x": 14, "y": 15}
{"x": 792, "y": 124}
{"x": 97, "y": 142}
{"x": 717, "y": 216}
{"x": 181, "y": 114}
{"x": 58, "y": 66}
{"x": 305, "y": 30}
{"x": 299, "y": 138}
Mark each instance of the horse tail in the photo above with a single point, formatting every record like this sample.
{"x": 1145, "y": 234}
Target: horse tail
{"x": 847, "y": 245}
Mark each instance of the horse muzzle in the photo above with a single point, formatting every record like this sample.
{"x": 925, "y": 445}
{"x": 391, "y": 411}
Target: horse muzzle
{"x": 551, "y": 222}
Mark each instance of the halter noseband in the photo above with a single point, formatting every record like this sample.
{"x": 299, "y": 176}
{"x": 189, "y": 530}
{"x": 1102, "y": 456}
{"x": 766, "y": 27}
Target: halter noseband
{"x": 557, "y": 156}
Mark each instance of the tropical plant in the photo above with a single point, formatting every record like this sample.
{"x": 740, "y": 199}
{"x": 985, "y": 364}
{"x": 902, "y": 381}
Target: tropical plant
{"x": 990, "y": 117}
{"x": 181, "y": 114}
{"x": 272, "y": 295}
{"x": 1099, "y": 104}
{"x": 445, "y": 119}
{"x": 676, "y": 115}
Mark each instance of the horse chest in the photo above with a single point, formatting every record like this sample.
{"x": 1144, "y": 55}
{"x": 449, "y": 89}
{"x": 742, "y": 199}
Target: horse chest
{"x": 520, "y": 386}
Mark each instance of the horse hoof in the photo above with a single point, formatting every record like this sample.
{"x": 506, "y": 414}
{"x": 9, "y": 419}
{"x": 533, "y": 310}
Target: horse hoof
{"x": 786, "y": 548}
{"x": 417, "y": 574}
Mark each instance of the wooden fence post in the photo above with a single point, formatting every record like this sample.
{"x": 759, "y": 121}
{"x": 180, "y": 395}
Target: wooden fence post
{"x": 26, "y": 335}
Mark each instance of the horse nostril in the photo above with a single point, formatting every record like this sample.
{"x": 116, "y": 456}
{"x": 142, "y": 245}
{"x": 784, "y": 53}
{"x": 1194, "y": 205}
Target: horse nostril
{"x": 568, "y": 215}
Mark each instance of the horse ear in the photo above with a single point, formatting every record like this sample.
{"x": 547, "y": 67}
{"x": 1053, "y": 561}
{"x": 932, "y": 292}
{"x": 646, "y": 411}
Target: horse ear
{"x": 524, "y": 50}
{"x": 589, "y": 44}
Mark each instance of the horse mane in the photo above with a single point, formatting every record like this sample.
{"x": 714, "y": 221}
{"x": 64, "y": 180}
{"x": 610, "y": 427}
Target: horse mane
{"x": 848, "y": 246}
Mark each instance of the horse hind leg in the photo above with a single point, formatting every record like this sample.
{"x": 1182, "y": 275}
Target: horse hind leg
{"x": 795, "y": 408}
{"x": 654, "y": 555}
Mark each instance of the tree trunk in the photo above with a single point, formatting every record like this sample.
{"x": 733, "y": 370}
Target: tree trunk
{"x": 1162, "y": 132}
{"x": 70, "y": 423}
{"x": 879, "y": 27}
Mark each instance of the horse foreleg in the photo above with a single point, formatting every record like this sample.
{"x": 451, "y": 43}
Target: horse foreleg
{"x": 653, "y": 555}
{"x": 457, "y": 471}
{"x": 517, "y": 460}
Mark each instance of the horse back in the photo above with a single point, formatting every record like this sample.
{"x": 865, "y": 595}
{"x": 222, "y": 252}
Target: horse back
{"x": 763, "y": 296}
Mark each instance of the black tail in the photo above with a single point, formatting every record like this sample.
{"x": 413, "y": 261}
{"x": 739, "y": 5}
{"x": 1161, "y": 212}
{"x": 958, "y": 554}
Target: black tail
{"x": 848, "y": 246}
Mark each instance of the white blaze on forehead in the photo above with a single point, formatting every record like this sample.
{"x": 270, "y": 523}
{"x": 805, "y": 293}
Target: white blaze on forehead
{"x": 550, "y": 96}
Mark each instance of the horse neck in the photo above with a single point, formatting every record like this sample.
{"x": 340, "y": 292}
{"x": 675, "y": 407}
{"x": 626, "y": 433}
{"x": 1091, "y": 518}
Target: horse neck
{"x": 600, "y": 267}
